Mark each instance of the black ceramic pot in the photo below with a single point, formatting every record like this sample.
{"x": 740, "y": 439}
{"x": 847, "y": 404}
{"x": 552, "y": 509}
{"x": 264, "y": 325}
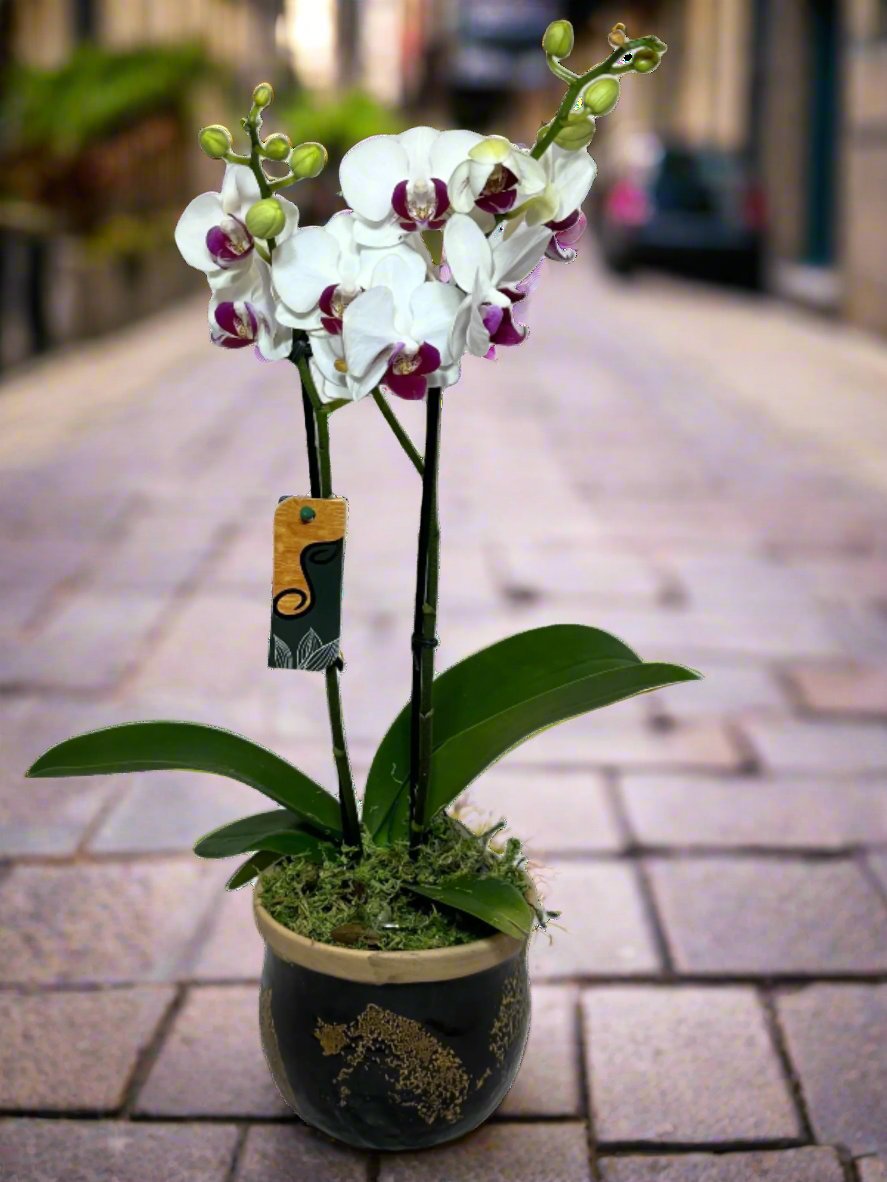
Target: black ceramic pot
{"x": 392, "y": 1050}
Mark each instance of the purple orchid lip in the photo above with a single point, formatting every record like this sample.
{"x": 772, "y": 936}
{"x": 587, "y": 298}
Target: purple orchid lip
{"x": 239, "y": 327}
{"x": 408, "y": 218}
{"x": 229, "y": 242}
{"x": 326, "y": 300}
{"x": 497, "y": 202}
{"x": 405, "y": 376}
{"x": 565, "y": 223}
{"x": 507, "y": 333}
{"x": 492, "y": 316}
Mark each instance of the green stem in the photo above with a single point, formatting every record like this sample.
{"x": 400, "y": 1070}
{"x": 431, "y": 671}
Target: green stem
{"x": 320, "y": 473}
{"x": 252, "y": 125}
{"x": 560, "y": 119}
{"x": 424, "y": 623}
{"x": 394, "y": 423}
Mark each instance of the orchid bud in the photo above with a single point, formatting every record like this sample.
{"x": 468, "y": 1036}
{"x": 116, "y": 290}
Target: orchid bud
{"x": 308, "y": 160}
{"x": 558, "y": 39}
{"x": 618, "y": 35}
{"x": 277, "y": 146}
{"x": 215, "y": 141}
{"x": 265, "y": 219}
{"x": 578, "y": 133}
{"x": 645, "y": 60}
{"x": 263, "y": 95}
{"x": 601, "y": 96}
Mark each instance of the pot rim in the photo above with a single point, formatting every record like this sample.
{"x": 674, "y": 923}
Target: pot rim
{"x": 383, "y": 968}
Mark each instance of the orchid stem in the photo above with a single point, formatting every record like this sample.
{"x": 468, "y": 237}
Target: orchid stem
{"x": 424, "y": 624}
{"x": 317, "y": 430}
{"x": 394, "y": 423}
{"x": 252, "y": 125}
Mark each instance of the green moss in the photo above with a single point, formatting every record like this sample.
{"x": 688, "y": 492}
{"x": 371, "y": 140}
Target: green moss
{"x": 315, "y": 901}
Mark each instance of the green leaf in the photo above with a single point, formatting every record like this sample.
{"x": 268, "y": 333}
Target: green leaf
{"x": 192, "y": 746}
{"x": 301, "y": 842}
{"x": 239, "y": 837}
{"x": 252, "y": 867}
{"x": 496, "y": 699}
{"x": 498, "y": 903}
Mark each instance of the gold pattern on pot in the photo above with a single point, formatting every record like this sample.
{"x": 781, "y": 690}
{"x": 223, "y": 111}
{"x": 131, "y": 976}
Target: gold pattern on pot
{"x": 420, "y": 1065}
{"x": 272, "y": 1050}
{"x": 512, "y": 1010}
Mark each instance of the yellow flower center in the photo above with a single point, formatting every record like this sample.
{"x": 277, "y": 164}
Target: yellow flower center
{"x": 340, "y": 366}
{"x": 404, "y": 364}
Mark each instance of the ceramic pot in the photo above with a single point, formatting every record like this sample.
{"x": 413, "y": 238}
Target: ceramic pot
{"x": 392, "y": 1050}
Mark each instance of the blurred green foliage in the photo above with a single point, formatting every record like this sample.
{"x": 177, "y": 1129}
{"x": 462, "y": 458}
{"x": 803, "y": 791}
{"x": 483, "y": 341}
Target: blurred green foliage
{"x": 337, "y": 124}
{"x": 96, "y": 92}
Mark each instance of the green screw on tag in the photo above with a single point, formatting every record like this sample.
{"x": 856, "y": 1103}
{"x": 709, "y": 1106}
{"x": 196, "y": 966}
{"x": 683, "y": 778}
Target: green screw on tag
{"x": 307, "y": 513}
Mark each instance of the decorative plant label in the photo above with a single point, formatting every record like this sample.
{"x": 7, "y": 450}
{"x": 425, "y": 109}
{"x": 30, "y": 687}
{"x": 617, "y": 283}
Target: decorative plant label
{"x": 306, "y": 589}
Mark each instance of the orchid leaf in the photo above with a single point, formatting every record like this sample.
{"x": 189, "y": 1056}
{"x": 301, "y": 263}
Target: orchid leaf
{"x": 192, "y": 746}
{"x": 493, "y": 900}
{"x": 244, "y": 835}
{"x": 497, "y": 698}
{"x": 251, "y": 868}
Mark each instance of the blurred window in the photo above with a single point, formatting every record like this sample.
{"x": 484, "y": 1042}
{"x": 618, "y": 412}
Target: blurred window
{"x": 85, "y": 22}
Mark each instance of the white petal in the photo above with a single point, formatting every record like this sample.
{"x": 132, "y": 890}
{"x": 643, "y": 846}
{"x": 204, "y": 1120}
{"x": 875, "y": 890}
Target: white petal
{"x": 449, "y": 150}
{"x": 304, "y": 265}
{"x": 308, "y": 321}
{"x": 382, "y": 233}
{"x": 418, "y": 143}
{"x": 434, "y": 307}
{"x": 515, "y": 257}
{"x": 459, "y": 330}
{"x": 240, "y": 190}
{"x": 198, "y": 219}
{"x": 401, "y": 273}
{"x": 459, "y": 188}
{"x": 370, "y": 258}
{"x": 369, "y": 172}
{"x": 341, "y": 226}
{"x": 447, "y": 375}
{"x": 467, "y": 252}
{"x": 530, "y": 173}
{"x": 362, "y": 386}
{"x": 574, "y": 174}
{"x": 368, "y": 330}
{"x": 274, "y": 343}
{"x": 291, "y": 212}
{"x": 326, "y": 351}
{"x": 326, "y": 391}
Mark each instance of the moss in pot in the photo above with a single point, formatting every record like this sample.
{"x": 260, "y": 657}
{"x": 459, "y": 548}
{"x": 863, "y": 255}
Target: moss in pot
{"x": 394, "y": 1001}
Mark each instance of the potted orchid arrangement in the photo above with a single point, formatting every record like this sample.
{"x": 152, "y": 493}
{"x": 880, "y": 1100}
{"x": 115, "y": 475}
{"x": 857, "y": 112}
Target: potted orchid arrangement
{"x": 394, "y": 1004}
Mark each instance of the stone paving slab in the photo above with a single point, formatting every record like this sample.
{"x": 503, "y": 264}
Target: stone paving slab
{"x": 232, "y": 948}
{"x": 293, "y": 1152}
{"x": 49, "y": 1053}
{"x": 115, "y": 1151}
{"x": 851, "y": 691}
{"x": 878, "y": 864}
{"x": 794, "y": 745}
{"x": 764, "y": 916}
{"x": 604, "y": 929}
{"x": 872, "y": 1169}
{"x": 733, "y": 811}
{"x": 548, "y": 1081}
{"x": 109, "y": 922}
{"x": 524, "y": 798}
{"x": 211, "y": 1063}
{"x": 835, "y": 1039}
{"x": 683, "y": 1066}
{"x": 809, "y": 1164}
{"x": 164, "y": 812}
{"x": 543, "y": 1152}
{"x": 726, "y": 690}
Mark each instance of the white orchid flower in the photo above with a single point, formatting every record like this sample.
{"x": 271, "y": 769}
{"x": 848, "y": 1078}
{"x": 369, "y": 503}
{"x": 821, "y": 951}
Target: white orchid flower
{"x": 398, "y": 332}
{"x": 491, "y": 178}
{"x": 318, "y": 271}
{"x": 568, "y": 177}
{"x": 494, "y": 273}
{"x": 398, "y": 184}
{"x": 211, "y": 234}
{"x": 242, "y": 313}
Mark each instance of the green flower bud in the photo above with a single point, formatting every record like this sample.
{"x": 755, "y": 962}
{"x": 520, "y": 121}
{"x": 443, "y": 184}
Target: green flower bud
{"x": 308, "y": 160}
{"x": 265, "y": 219}
{"x": 601, "y": 96}
{"x": 277, "y": 146}
{"x": 645, "y": 60}
{"x": 215, "y": 141}
{"x": 578, "y": 133}
{"x": 263, "y": 95}
{"x": 558, "y": 39}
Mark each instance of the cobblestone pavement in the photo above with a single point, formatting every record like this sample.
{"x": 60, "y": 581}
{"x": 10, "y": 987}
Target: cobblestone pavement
{"x": 696, "y": 472}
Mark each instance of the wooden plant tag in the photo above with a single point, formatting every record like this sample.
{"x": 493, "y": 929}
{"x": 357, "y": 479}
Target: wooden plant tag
{"x": 306, "y": 589}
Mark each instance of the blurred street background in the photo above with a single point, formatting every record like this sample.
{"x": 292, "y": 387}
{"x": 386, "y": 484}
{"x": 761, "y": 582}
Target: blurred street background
{"x": 689, "y": 451}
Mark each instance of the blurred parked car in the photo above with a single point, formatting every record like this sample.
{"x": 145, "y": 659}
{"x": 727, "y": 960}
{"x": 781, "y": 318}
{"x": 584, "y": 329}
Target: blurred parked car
{"x": 682, "y": 207}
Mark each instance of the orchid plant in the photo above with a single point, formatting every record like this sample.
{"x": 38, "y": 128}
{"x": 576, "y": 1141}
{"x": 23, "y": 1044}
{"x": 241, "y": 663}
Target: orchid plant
{"x": 444, "y": 235}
